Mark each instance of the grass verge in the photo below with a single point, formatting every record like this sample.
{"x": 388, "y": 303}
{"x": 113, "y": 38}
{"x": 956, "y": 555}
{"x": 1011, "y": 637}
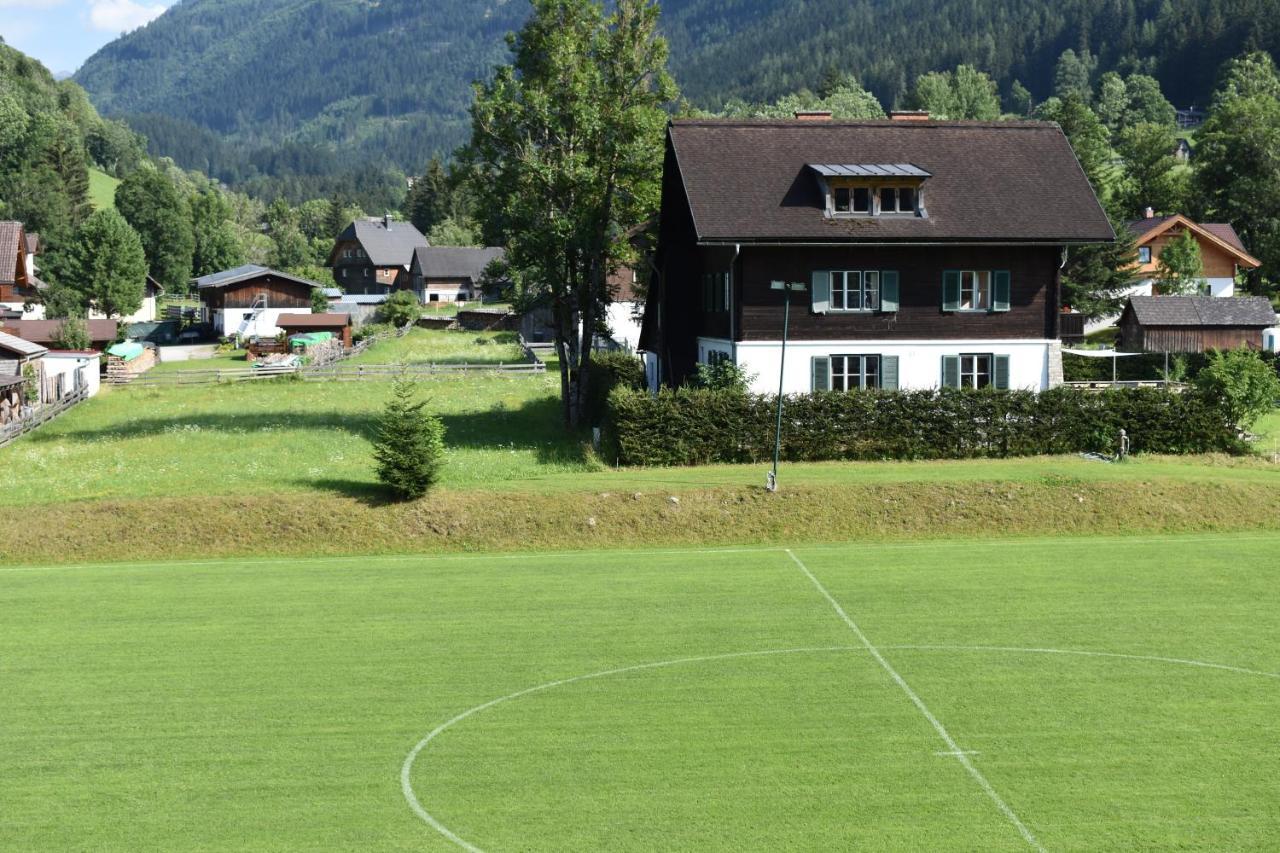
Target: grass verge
{"x": 102, "y": 189}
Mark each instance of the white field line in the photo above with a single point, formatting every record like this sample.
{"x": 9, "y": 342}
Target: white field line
{"x": 406, "y": 769}
{"x": 1089, "y": 654}
{"x": 1084, "y": 541}
{"x": 952, "y": 746}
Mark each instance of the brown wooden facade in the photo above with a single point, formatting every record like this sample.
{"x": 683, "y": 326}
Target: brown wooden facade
{"x": 279, "y": 293}
{"x": 1134, "y": 337}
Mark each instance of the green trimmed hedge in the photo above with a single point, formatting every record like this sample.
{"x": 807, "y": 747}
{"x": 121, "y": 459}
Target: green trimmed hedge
{"x": 1148, "y": 366}
{"x": 695, "y": 427}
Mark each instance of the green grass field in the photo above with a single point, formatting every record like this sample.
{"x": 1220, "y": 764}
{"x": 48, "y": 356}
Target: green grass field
{"x": 102, "y": 189}
{"x": 1109, "y": 693}
{"x": 423, "y": 346}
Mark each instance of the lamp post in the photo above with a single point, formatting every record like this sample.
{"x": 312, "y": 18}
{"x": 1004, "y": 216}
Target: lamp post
{"x": 787, "y": 288}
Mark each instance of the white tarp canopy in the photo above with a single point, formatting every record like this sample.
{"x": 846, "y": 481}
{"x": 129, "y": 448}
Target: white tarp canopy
{"x": 1102, "y": 353}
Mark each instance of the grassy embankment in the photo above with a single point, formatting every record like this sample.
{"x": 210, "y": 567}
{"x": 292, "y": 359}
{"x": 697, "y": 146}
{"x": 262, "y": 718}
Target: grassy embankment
{"x": 285, "y": 467}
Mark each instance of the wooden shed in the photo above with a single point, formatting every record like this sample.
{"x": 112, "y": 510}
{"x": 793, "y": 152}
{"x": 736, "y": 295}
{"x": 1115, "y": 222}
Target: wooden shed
{"x": 1194, "y": 323}
{"x": 337, "y": 323}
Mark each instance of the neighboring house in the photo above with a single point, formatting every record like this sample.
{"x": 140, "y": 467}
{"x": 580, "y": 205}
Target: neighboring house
{"x": 448, "y": 273}
{"x": 102, "y": 333}
{"x": 148, "y": 312}
{"x": 1223, "y": 253}
{"x": 370, "y": 254}
{"x": 1194, "y": 323}
{"x": 247, "y": 301}
{"x": 930, "y": 251}
{"x": 16, "y": 356}
{"x": 20, "y": 287}
{"x": 300, "y": 324}
{"x": 626, "y": 311}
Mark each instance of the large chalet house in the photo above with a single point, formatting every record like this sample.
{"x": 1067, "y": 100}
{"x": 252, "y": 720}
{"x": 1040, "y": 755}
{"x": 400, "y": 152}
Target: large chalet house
{"x": 20, "y": 287}
{"x": 371, "y": 254}
{"x": 929, "y": 252}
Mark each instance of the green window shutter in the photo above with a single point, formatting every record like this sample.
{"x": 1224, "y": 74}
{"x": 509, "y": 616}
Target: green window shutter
{"x": 951, "y": 290}
{"x": 951, "y": 371}
{"x": 820, "y": 373}
{"x": 1000, "y": 290}
{"x": 889, "y": 372}
{"x": 1000, "y": 372}
{"x": 821, "y": 290}
{"x": 889, "y": 290}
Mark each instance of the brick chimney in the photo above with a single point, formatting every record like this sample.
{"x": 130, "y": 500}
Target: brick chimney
{"x": 386, "y": 221}
{"x": 813, "y": 115}
{"x": 1148, "y": 213}
{"x": 909, "y": 115}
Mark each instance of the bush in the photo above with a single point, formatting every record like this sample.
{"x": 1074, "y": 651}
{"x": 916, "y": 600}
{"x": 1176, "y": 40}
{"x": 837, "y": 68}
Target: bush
{"x": 319, "y": 302}
{"x": 73, "y": 333}
{"x": 1245, "y": 383}
{"x": 402, "y": 308}
{"x": 724, "y": 375}
{"x": 611, "y": 370}
{"x": 696, "y": 426}
{"x": 409, "y": 447}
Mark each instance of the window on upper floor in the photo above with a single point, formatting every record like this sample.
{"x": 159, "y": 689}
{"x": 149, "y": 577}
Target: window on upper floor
{"x": 854, "y": 290}
{"x": 897, "y": 200}
{"x": 1144, "y": 254}
{"x": 715, "y": 292}
{"x": 975, "y": 290}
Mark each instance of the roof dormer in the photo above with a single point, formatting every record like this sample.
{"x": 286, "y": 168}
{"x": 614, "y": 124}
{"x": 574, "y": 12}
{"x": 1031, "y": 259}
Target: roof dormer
{"x": 872, "y": 190}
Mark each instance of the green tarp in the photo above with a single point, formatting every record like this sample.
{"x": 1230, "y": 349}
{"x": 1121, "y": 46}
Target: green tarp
{"x": 310, "y": 338}
{"x": 127, "y": 351}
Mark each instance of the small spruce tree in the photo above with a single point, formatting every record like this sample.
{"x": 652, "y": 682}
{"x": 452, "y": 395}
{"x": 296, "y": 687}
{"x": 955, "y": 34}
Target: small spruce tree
{"x": 319, "y": 302}
{"x": 409, "y": 448}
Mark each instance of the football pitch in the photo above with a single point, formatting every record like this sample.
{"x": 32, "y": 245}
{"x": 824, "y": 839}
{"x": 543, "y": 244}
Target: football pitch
{"x": 1056, "y": 694}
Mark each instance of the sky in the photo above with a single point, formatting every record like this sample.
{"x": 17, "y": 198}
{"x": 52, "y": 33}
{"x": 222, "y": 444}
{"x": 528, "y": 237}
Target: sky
{"x": 64, "y": 33}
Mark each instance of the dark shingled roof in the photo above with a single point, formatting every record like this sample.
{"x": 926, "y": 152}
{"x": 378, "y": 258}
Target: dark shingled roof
{"x": 1251, "y": 311}
{"x": 10, "y": 235}
{"x": 453, "y": 262}
{"x": 388, "y": 243}
{"x": 21, "y": 346}
{"x": 245, "y": 273}
{"x": 992, "y": 182}
{"x": 44, "y": 331}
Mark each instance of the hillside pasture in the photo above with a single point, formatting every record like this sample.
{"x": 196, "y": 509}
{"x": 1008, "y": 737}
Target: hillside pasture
{"x": 1066, "y": 693}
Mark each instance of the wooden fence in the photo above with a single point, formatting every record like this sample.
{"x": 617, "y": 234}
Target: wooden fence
{"x": 41, "y": 416}
{"x": 333, "y": 372}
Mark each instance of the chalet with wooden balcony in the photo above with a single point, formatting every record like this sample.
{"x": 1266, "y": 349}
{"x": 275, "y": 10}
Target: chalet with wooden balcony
{"x": 929, "y": 251}
{"x": 371, "y": 254}
{"x": 20, "y": 287}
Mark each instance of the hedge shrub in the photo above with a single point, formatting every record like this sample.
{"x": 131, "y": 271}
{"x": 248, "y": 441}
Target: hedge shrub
{"x": 1147, "y": 366}
{"x": 694, "y": 427}
{"x": 610, "y": 370}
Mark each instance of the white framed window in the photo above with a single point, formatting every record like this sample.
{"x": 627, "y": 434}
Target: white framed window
{"x": 975, "y": 370}
{"x": 855, "y": 372}
{"x": 855, "y": 290}
{"x": 975, "y": 290}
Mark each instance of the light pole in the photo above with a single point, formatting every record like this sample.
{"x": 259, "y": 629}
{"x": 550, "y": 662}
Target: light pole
{"x": 787, "y": 288}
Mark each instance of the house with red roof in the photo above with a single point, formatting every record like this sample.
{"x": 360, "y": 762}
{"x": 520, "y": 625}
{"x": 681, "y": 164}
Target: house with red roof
{"x": 1223, "y": 252}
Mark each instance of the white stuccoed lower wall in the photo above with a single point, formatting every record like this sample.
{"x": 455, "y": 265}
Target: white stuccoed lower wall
{"x": 228, "y": 321}
{"x": 919, "y": 362}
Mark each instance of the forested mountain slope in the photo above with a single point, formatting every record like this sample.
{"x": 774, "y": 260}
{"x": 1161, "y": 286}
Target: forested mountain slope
{"x": 392, "y": 78}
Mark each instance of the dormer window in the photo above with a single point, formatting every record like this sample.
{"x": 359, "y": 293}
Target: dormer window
{"x": 872, "y": 190}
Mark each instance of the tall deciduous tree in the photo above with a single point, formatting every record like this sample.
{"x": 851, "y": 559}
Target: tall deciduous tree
{"x": 150, "y": 202}
{"x": 567, "y": 152}
{"x": 104, "y": 266}
{"x": 1237, "y": 163}
{"x": 216, "y": 239}
{"x": 1153, "y": 175}
{"x": 1089, "y": 139}
{"x": 965, "y": 93}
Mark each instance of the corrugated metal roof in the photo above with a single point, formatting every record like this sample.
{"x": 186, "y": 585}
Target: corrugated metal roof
{"x": 869, "y": 170}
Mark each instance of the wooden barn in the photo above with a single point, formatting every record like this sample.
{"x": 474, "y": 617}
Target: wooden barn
{"x": 247, "y": 301}
{"x": 1194, "y": 323}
